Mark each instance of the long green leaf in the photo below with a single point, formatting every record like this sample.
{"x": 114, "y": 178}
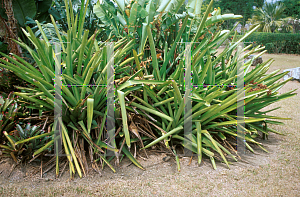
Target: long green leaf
{"x": 90, "y": 107}
{"x": 164, "y": 136}
{"x": 130, "y": 156}
{"x": 124, "y": 117}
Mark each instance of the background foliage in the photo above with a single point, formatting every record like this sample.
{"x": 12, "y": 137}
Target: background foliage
{"x": 276, "y": 42}
{"x": 292, "y": 8}
{"x": 240, "y": 7}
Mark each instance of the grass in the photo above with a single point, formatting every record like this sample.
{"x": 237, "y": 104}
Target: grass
{"x": 274, "y": 174}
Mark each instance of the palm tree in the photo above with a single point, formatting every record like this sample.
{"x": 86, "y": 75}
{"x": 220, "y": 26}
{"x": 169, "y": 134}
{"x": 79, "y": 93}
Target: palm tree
{"x": 269, "y": 16}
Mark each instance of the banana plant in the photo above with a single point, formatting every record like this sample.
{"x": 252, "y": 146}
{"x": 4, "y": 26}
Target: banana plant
{"x": 130, "y": 19}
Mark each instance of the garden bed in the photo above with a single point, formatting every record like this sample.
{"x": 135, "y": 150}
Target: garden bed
{"x": 267, "y": 174}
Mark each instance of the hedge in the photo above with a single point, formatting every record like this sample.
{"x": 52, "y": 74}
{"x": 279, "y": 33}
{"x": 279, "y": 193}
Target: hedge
{"x": 276, "y": 42}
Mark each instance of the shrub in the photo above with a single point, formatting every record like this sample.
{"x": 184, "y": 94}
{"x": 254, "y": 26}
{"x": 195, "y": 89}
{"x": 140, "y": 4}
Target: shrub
{"x": 276, "y": 42}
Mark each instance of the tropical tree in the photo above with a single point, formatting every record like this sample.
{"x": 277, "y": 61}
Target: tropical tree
{"x": 286, "y": 25}
{"x": 269, "y": 17}
{"x": 240, "y": 7}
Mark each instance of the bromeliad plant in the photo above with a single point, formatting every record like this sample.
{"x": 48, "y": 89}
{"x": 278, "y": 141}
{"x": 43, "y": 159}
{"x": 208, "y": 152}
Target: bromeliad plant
{"x": 22, "y": 142}
{"x": 10, "y": 112}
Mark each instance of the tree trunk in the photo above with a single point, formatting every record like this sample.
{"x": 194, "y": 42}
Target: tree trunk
{"x": 11, "y": 28}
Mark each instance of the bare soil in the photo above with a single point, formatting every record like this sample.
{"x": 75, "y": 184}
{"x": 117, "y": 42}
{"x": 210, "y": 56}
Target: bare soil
{"x": 276, "y": 173}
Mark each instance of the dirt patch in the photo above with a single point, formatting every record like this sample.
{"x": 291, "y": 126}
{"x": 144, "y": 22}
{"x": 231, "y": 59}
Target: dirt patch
{"x": 276, "y": 173}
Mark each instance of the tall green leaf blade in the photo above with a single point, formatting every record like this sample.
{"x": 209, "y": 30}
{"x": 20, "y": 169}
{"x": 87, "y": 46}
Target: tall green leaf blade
{"x": 202, "y": 23}
{"x": 171, "y": 52}
{"x": 132, "y": 18}
{"x": 164, "y": 136}
{"x": 124, "y": 117}
{"x": 199, "y": 142}
{"x": 130, "y": 156}
{"x": 153, "y": 54}
{"x": 90, "y": 107}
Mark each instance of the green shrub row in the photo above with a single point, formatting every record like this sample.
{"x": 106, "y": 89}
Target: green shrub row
{"x": 276, "y": 42}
